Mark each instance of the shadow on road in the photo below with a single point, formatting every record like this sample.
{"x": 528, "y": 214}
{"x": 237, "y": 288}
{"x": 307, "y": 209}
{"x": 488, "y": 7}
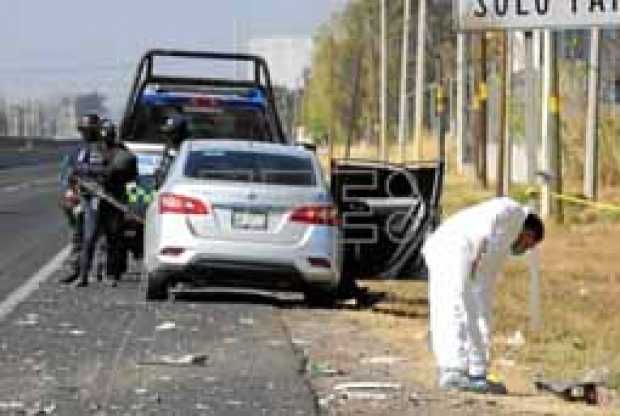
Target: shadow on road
{"x": 240, "y": 297}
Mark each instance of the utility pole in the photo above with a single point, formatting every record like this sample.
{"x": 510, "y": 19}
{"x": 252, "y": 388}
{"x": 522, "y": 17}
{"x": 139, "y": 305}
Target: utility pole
{"x": 354, "y": 101}
{"x": 373, "y": 82}
{"x": 590, "y": 175}
{"x": 483, "y": 95}
{"x": 501, "y": 145}
{"x": 404, "y": 63}
{"x": 532, "y": 62}
{"x": 441, "y": 110}
{"x": 552, "y": 182}
{"x": 332, "y": 107}
{"x": 460, "y": 102}
{"x": 507, "y": 121}
{"x": 419, "y": 79}
{"x": 384, "y": 155}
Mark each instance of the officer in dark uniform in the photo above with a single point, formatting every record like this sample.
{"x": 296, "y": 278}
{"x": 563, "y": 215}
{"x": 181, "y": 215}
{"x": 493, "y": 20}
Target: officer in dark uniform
{"x": 121, "y": 169}
{"x": 91, "y": 169}
{"x": 176, "y": 130}
{"x": 72, "y": 209}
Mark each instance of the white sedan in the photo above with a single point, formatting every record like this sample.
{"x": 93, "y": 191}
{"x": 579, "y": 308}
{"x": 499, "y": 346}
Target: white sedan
{"x": 240, "y": 213}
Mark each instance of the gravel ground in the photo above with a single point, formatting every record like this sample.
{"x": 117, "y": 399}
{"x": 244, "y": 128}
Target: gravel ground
{"x": 102, "y": 351}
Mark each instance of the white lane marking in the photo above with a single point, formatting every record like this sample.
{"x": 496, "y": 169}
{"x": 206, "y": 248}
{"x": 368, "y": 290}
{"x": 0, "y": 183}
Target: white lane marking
{"x": 26, "y": 185}
{"x": 21, "y": 293}
{"x": 15, "y": 188}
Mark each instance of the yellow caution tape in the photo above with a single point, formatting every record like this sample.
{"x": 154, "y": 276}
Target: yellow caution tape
{"x": 554, "y": 104}
{"x": 601, "y": 206}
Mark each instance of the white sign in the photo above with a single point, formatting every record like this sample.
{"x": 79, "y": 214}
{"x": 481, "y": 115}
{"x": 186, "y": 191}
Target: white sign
{"x": 533, "y": 14}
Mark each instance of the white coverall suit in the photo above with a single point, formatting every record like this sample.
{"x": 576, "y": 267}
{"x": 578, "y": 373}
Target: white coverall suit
{"x": 460, "y": 297}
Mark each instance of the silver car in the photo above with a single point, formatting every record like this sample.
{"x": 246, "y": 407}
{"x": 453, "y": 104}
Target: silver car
{"x": 239, "y": 213}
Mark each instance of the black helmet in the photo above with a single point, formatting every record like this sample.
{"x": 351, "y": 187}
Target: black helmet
{"x": 107, "y": 131}
{"x": 88, "y": 126}
{"x": 176, "y": 129}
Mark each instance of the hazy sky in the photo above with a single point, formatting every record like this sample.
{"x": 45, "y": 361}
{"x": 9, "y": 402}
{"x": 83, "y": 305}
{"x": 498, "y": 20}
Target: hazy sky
{"x": 48, "y": 47}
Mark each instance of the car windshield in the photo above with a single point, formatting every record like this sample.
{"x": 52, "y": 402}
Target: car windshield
{"x": 250, "y": 166}
{"x": 248, "y": 123}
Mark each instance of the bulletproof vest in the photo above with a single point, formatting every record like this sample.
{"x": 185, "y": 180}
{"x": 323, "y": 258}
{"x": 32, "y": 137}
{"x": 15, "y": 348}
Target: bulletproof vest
{"x": 122, "y": 169}
{"x": 91, "y": 161}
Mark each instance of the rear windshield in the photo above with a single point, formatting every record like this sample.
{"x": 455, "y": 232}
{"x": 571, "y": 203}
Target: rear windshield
{"x": 248, "y": 166}
{"x": 248, "y": 123}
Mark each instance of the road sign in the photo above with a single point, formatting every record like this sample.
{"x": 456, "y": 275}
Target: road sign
{"x": 472, "y": 15}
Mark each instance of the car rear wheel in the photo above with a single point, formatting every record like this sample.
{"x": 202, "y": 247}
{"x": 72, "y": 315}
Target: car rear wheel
{"x": 156, "y": 286}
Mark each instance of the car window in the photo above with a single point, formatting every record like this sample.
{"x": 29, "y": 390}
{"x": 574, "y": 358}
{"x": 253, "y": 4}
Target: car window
{"x": 248, "y": 123}
{"x": 248, "y": 166}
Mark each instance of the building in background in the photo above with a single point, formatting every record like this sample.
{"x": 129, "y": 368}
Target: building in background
{"x": 287, "y": 57}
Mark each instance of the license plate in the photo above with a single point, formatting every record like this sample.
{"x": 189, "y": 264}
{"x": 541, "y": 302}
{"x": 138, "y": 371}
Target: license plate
{"x": 249, "y": 220}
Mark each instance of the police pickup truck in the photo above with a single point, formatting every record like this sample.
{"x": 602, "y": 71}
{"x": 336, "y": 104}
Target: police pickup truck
{"x": 386, "y": 209}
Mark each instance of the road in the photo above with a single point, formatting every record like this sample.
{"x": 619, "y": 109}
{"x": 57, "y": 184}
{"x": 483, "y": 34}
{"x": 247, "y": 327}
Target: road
{"x": 103, "y": 351}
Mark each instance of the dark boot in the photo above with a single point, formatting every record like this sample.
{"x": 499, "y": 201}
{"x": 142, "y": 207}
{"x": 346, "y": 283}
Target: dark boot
{"x": 82, "y": 281}
{"x": 111, "y": 281}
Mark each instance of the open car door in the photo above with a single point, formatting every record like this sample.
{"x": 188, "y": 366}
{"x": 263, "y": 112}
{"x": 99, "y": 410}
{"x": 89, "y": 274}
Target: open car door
{"x": 387, "y": 211}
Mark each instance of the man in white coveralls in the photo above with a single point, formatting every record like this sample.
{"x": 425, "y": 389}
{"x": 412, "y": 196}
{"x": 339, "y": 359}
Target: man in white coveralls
{"x": 463, "y": 256}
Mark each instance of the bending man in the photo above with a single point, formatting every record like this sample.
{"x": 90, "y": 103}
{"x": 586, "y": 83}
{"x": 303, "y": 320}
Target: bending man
{"x": 463, "y": 257}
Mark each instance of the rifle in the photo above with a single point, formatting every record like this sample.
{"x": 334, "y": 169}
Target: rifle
{"x": 96, "y": 190}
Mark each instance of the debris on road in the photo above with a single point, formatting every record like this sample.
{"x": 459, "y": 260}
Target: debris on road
{"x": 590, "y": 392}
{"x": 386, "y": 360}
{"x": 165, "y": 326}
{"x": 368, "y": 390}
{"x": 517, "y": 340}
{"x": 31, "y": 319}
{"x": 179, "y": 360}
{"x": 11, "y": 405}
{"x": 41, "y": 410}
{"x": 417, "y": 398}
{"x": 299, "y": 342}
{"x": 246, "y": 321}
{"x": 506, "y": 362}
{"x": 323, "y": 369}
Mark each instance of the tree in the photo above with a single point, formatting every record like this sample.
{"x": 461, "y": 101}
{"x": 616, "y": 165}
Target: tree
{"x": 352, "y": 40}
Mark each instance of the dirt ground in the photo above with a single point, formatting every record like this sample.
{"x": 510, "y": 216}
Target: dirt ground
{"x": 580, "y": 332}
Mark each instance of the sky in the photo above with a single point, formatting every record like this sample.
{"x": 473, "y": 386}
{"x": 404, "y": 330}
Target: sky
{"x": 49, "y": 48}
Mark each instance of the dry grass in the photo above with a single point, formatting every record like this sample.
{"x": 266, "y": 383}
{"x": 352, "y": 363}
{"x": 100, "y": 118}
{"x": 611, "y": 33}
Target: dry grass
{"x": 581, "y": 323}
{"x": 580, "y": 269}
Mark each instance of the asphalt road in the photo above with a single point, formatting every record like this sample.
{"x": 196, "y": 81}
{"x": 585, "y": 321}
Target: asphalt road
{"x": 103, "y": 351}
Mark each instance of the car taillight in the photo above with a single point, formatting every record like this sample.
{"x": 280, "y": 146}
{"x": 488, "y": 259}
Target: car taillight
{"x": 316, "y": 215}
{"x": 179, "y": 204}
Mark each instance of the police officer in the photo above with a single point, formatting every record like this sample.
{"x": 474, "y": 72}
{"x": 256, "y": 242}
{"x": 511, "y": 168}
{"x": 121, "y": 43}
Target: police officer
{"x": 121, "y": 169}
{"x": 89, "y": 165}
{"x": 176, "y": 130}
{"x": 73, "y": 211}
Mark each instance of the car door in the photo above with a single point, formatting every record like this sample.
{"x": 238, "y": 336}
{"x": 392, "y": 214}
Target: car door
{"x": 387, "y": 210}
